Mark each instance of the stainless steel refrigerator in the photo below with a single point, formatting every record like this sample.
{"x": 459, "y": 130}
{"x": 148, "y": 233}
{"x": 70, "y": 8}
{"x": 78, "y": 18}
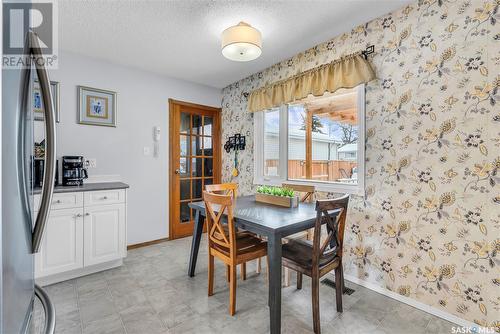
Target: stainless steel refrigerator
{"x": 21, "y": 232}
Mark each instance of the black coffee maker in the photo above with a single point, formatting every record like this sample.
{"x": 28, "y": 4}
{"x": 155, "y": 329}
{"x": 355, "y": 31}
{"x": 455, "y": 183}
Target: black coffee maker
{"x": 73, "y": 171}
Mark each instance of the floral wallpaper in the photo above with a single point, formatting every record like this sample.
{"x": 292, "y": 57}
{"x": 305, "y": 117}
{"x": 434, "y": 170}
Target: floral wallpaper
{"x": 428, "y": 226}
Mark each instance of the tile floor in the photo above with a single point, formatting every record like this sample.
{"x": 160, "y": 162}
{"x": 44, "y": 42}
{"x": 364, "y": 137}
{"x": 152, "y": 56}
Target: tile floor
{"x": 151, "y": 293}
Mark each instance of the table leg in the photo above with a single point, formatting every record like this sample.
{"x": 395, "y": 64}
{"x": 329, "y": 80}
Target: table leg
{"x": 274, "y": 254}
{"x": 195, "y": 243}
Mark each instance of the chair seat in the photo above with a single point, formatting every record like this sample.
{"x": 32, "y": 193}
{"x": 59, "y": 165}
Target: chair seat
{"x": 297, "y": 253}
{"x": 246, "y": 245}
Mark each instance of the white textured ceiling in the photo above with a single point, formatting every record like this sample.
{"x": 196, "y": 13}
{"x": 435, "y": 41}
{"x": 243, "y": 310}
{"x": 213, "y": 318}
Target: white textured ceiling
{"x": 181, "y": 39}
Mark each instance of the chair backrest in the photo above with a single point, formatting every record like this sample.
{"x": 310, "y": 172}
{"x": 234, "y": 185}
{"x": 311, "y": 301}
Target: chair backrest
{"x": 215, "y": 206}
{"x": 343, "y": 173}
{"x": 331, "y": 246}
{"x": 223, "y": 188}
{"x": 302, "y": 188}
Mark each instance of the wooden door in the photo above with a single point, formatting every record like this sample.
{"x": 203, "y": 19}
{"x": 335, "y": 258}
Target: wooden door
{"x": 195, "y": 160}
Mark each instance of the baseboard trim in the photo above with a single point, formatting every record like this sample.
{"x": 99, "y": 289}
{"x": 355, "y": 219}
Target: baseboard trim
{"x": 412, "y": 302}
{"x": 56, "y": 278}
{"x": 146, "y": 243}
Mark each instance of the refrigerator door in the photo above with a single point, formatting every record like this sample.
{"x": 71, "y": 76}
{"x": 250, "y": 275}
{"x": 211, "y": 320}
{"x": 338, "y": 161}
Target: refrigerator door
{"x": 19, "y": 240}
{"x": 17, "y": 282}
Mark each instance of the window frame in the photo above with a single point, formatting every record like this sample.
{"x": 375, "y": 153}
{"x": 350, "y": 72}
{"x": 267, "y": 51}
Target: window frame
{"x": 338, "y": 187}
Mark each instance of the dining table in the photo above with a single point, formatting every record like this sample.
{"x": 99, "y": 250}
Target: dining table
{"x": 266, "y": 220}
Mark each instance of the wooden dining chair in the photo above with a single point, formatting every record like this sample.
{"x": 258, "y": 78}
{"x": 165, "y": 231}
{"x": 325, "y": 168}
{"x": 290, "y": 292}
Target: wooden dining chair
{"x": 228, "y": 245}
{"x": 307, "y": 195}
{"x": 223, "y": 189}
{"x": 307, "y": 191}
{"x": 230, "y": 189}
{"x": 323, "y": 254}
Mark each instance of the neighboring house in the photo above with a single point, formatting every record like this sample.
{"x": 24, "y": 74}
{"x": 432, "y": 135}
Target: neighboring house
{"x": 348, "y": 152}
{"x": 324, "y": 147}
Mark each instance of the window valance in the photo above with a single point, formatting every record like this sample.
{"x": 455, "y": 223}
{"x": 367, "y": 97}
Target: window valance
{"x": 346, "y": 72}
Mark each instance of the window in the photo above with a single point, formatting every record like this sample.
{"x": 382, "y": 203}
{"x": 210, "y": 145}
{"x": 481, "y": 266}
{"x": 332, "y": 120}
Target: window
{"x": 317, "y": 140}
{"x": 271, "y": 142}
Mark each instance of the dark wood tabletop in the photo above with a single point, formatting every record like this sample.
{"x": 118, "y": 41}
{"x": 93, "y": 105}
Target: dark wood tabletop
{"x": 268, "y": 217}
{"x": 271, "y": 221}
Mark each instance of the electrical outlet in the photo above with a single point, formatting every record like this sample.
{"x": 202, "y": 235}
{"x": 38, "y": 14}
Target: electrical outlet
{"x": 91, "y": 163}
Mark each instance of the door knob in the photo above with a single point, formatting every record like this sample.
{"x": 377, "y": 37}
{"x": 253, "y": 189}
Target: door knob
{"x": 177, "y": 171}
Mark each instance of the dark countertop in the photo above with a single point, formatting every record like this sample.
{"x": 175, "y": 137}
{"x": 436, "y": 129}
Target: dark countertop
{"x": 86, "y": 187}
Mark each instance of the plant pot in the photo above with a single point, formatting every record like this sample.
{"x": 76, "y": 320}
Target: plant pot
{"x": 289, "y": 202}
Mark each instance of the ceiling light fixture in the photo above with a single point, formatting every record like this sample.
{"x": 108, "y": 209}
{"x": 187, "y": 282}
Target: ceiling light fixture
{"x": 241, "y": 42}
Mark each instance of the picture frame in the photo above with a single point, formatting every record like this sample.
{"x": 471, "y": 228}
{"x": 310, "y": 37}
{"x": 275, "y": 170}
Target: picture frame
{"x": 96, "y": 106}
{"x": 37, "y": 100}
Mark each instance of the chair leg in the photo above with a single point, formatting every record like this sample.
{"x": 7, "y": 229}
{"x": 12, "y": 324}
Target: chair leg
{"x": 210, "y": 275}
{"x": 243, "y": 271}
{"x": 232, "y": 290}
{"x": 315, "y": 304}
{"x": 259, "y": 266}
{"x": 227, "y": 273}
{"x": 299, "y": 280}
{"x": 339, "y": 286}
{"x": 287, "y": 274}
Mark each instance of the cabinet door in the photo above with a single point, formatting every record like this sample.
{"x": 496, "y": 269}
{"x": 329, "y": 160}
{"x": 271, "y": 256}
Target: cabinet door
{"x": 62, "y": 244}
{"x": 104, "y": 233}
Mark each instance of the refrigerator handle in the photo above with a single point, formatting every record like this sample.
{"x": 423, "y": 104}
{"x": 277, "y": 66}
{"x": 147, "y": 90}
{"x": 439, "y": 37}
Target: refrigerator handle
{"x": 50, "y": 148}
{"x": 50, "y": 311}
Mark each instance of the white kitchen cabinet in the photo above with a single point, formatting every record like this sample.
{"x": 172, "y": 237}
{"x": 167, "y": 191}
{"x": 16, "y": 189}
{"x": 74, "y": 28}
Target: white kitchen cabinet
{"x": 62, "y": 245}
{"x": 86, "y": 233}
{"x": 103, "y": 233}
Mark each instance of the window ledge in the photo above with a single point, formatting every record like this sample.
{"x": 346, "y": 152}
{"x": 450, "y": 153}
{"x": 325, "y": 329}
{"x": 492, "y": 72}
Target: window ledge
{"x": 353, "y": 189}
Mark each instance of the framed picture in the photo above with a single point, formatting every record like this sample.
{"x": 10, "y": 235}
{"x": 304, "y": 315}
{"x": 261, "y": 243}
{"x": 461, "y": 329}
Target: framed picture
{"x": 37, "y": 100}
{"x": 96, "y": 106}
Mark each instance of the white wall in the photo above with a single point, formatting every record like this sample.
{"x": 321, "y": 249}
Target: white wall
{"x": 142, "y": 103}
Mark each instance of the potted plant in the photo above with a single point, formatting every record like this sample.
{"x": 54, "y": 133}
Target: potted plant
{"x": 277, "y": 195}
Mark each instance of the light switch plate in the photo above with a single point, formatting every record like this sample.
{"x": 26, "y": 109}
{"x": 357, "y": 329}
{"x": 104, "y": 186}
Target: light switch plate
{"x": 146, "y": 150}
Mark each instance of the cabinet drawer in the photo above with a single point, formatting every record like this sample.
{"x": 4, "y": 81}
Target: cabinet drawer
{"x": 62, "y": 201}
{"x": 104, "y": 197}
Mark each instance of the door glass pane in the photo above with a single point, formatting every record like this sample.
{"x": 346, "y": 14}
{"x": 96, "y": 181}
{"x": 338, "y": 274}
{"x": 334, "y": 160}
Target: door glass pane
{"x": 196, "y": 167}
{"x": 185, "y": 191}
{"x": 208, "y": 181}
{"x": 197, "y": 188}
{"x": 185, "y": 120}
{"x": 185, "y": 213}
{"x": 207, "y": 126}
{"x": 196, "y": 129}
{"x": 207, "y": 146}
{"x": 196, "y": 145}
{"x": 183, "y": 167}
{"x": 209, "y": 169}
{"x": 184, "y": 145}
